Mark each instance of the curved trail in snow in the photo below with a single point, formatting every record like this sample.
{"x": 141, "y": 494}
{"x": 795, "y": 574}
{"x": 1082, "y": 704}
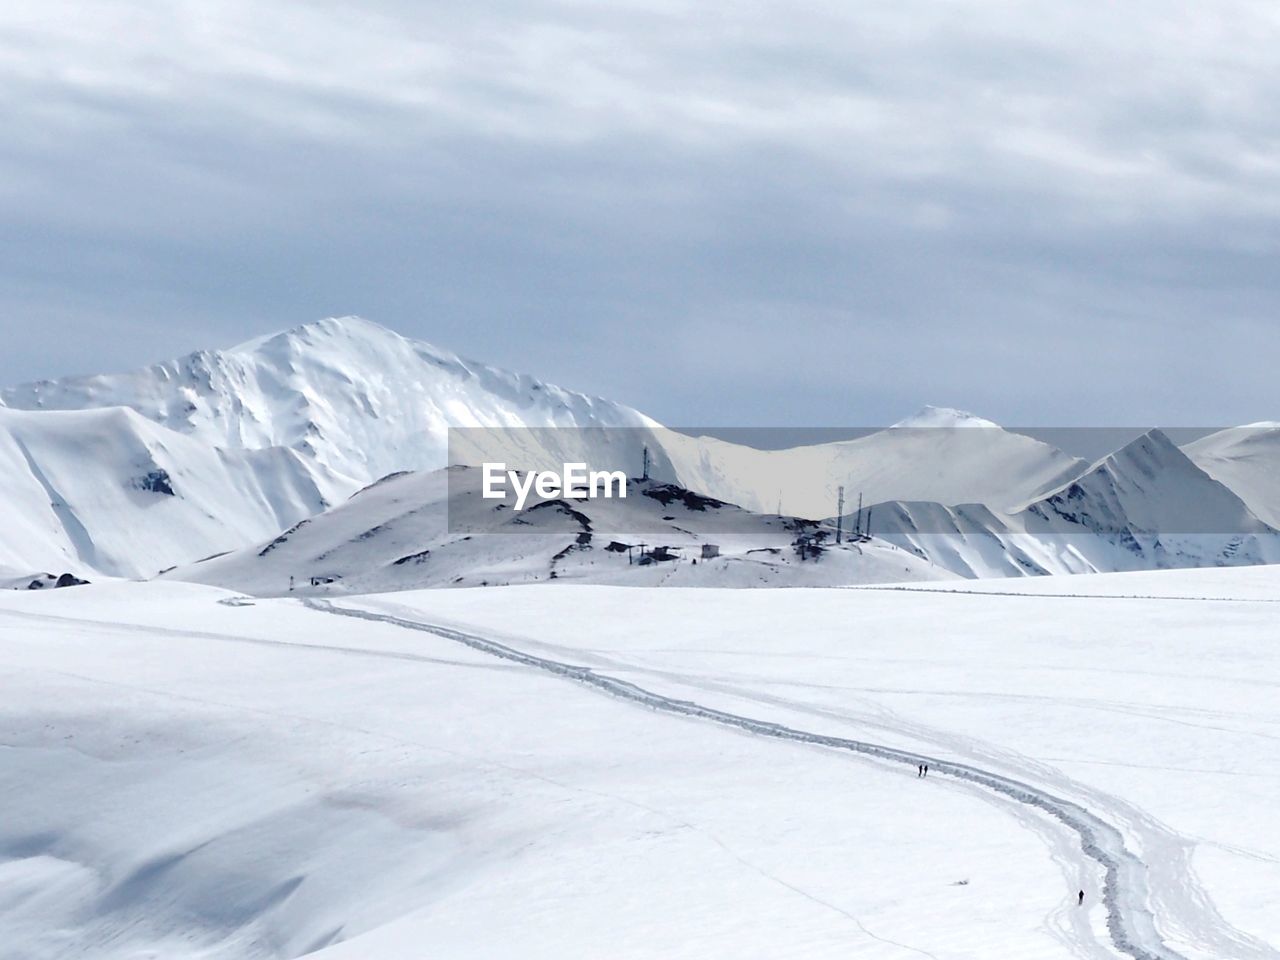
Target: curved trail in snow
{"x": 1126, "y": 894}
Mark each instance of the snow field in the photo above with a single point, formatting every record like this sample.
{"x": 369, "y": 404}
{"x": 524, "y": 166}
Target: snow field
{"x": 185, "y": 777}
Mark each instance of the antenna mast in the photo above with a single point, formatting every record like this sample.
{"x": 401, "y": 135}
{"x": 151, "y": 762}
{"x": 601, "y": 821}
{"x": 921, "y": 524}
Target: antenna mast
{"x": 839, "y": 512}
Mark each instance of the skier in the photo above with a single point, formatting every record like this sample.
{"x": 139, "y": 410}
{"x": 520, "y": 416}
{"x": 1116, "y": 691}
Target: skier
{"x": 926, "y": 770}
{"x": 1080, "y": 901}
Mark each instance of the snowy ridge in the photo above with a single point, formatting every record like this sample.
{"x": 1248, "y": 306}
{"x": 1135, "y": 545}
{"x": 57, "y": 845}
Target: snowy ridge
{"x": 943, "y": 418}
{"x": 356, "y": 397}
{"x": 1146, "y": 506}
{"x": 1146, "y": 487}
{"x": 363, "y": 401}
{"x": 1149, "y": 506}
{"x": 939, "y": 455}
{"x": 1246, "y": 460}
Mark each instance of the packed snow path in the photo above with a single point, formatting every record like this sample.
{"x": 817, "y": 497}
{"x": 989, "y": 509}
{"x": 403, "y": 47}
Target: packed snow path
{"x": 1125, "y": 895}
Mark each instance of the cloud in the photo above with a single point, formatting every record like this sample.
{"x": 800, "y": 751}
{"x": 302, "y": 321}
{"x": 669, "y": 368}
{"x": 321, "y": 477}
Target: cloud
{"x": 752, "y": 213}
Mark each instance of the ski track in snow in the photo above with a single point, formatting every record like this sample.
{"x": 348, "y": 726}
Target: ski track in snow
{"x": 1186, "y": 910}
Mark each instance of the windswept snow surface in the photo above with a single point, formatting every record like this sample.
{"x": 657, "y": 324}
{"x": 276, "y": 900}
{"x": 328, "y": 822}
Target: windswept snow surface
{"x": 191, "y": 773}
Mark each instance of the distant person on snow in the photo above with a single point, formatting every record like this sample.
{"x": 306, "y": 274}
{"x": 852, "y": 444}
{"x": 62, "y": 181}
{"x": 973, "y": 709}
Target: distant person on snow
{"x": 1080, "y": 902}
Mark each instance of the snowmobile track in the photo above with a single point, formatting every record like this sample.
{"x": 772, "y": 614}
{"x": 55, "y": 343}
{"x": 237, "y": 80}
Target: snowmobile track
{"x": 1125, "y": 896}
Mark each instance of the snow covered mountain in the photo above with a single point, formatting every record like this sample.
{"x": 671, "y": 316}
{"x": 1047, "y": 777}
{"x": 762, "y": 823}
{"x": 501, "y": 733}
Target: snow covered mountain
{"x": 127, "y": 474}
{"x": 1147, "y": 487}
{"x": 940, "y": 455}
{"x": 362, "y": 401}
{"x": 355, "y": 397}
{"x": 434, "y": 529}
{"x": 1146, "y": 506}
{"x": 109, "y": 492}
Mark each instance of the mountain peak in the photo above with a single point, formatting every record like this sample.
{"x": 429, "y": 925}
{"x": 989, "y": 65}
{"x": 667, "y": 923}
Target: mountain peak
{"x": 329, "y": 328}
{"x": 943, "y": 417}
{"x": 1150, "y": 489}
{"x": 1151, "y": 449}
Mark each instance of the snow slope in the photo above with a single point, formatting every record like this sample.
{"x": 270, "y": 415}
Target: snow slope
{"x": 434, "y": 529}
{"x": 1246, "y": 459}
{"x": 191, "y": 774}
{"x": 1146, "y": 506}
{"x": 109, "y": 492}
{"x": 970, "y": 540}
{"x": 941, "y": 455}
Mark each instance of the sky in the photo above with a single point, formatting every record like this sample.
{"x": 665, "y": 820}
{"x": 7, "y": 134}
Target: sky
{"x": 746, "y": 214}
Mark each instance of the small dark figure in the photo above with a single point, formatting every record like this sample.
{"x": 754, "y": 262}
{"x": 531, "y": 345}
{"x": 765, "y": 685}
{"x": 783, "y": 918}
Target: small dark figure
{"x": 926, "y": 769}
{"x": 919, "y": 769}
{"x": 1080, "y": 902}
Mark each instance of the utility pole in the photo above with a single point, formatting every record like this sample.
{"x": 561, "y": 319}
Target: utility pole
{"x": 858, "y": 522}
{"x": 645, "y": 474}
{"x": 839, "y": 512}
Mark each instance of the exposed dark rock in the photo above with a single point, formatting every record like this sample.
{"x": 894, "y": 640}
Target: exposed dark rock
{"x": 156, "y": 481}
{"x": 668, "y": 493}
{"x": 412, "y": 558}
{"x": 564, "y": 508}
{"x": 283, "y": 537}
